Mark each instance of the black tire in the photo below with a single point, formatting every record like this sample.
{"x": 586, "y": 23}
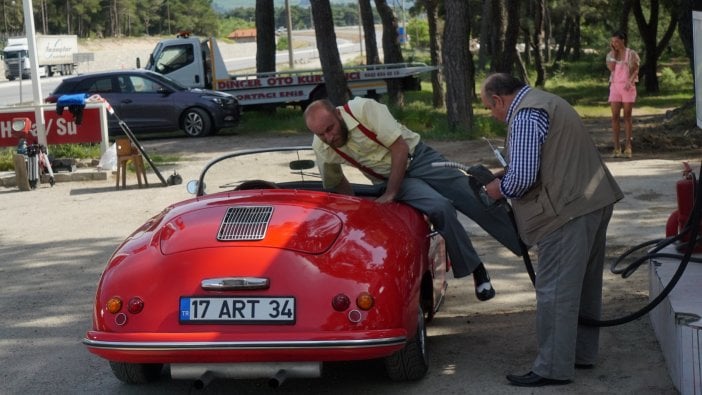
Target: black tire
{"x": 196, "y": 122}
{"x": 318, "y": 93}
{"x": 136, "y": 373}
{"x": 410, "y": 363}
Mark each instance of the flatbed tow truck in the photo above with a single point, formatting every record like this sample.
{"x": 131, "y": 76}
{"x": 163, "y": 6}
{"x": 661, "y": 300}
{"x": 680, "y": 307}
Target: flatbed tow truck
{"x": 198, "y": 63}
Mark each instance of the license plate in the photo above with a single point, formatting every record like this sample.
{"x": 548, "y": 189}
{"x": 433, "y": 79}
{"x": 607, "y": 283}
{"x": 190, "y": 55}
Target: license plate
{"x": 237, "y": 310}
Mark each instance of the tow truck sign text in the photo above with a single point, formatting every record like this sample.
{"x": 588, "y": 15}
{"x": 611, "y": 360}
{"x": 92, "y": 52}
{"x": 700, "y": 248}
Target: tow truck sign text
{"x": 273, "y": 81}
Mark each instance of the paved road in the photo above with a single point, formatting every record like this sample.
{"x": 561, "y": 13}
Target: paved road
{"x": 15, "y": 92}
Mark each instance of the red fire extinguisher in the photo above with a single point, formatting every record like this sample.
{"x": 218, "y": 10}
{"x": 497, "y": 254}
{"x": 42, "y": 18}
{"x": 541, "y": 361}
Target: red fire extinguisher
{"x": 685, "y": 190}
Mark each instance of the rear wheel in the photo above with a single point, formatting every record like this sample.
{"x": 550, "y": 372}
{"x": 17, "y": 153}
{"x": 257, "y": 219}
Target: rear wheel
{"x": 136, "y": 373}
{"x": 412, "y": 362}
{"x": 196, "y": 123}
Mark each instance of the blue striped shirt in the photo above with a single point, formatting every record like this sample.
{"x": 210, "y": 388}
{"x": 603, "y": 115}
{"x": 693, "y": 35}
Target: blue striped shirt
{"x": 528, "y": 132}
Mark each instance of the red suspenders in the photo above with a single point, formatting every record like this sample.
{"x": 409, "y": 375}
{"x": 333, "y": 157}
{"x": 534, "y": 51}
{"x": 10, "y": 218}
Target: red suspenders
{"x": 369, "y": 133}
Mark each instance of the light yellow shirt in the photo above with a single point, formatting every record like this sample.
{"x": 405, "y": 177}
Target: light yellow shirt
{"x": 376, "y": 117}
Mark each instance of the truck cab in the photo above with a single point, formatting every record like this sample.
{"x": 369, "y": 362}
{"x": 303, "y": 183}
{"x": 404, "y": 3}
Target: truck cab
{"x": 55, "y": 54}
{"x": 16, "y": 58}
{"x": 183, "y": 59}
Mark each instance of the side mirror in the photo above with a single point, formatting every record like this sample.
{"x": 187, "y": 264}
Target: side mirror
{"x": 192, "y": 187}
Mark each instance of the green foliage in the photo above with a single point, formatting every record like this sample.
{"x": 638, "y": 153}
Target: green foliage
{"x": 585, "y": 85}
{"x": 671, "y": 79}
{"x": 73, "y": 151}
{"x": 418, "y": 31}
{"x": 6, "y": 159}
{"x": 282, "y": 43}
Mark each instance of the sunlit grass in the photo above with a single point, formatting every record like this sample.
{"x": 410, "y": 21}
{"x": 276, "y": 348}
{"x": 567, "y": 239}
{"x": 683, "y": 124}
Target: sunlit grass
{"x": 73, "y": 151}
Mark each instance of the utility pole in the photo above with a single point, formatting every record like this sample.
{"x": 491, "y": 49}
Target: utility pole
{"x": 30, "y": 33}
{"x": 290, "y": 43}
{"x": 360, "y": 29}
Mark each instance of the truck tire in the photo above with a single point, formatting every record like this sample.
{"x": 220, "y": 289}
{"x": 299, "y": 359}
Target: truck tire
{"x": 196, "y": 122}
{"x": 320, "y": 92}
{"x": 66, "y": 69}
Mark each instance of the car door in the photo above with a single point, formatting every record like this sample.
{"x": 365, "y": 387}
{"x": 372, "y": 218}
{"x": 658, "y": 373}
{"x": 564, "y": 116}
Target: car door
{"x": 145, "y": 104}
{"x": 103, "y": 86}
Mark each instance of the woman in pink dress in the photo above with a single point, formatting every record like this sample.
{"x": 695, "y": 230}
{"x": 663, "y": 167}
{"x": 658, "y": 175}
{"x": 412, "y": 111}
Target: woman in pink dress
{"x": 623, "y": 64}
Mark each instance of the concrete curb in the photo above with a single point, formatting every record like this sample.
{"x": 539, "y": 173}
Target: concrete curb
{"x": 7, "y": 178}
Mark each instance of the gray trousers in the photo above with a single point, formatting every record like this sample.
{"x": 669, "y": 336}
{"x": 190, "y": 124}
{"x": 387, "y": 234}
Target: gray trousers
{"x": 438, "y": 192}
{"x": 569, "y": 284}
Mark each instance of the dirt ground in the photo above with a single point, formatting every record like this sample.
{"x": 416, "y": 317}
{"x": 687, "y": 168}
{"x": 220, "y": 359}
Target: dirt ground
{"x": 54, "y": 243}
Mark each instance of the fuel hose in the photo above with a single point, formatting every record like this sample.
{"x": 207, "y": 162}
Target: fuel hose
{"x": 690, "y": 232}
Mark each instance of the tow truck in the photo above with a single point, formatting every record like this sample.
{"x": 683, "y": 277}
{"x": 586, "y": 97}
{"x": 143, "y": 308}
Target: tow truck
{"x": 198, "y": 63}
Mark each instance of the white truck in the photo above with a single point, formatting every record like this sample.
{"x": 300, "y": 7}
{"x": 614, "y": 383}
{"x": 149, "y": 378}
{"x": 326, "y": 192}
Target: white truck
{"x": 193, "y": 62}
{"x": 54, "y": 54}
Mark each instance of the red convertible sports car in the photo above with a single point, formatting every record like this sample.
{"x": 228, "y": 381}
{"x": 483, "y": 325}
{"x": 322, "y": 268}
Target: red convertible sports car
{"x": 264, "y": 274}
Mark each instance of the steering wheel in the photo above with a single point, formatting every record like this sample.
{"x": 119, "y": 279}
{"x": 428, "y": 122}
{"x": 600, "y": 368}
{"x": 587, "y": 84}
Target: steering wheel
{"x": 256, "y": 184}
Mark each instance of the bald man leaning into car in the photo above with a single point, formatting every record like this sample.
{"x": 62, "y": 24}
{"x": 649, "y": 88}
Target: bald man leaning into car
{"x": 362, "y": 133}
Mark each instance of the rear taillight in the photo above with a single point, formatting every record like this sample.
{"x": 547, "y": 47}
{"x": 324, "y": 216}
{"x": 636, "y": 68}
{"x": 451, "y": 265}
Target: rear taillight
{"x": 114, "y": 305}
{"x": 364, "y": 301}
{"x": 341, "y": 302}
{"x": 135, "y": 305}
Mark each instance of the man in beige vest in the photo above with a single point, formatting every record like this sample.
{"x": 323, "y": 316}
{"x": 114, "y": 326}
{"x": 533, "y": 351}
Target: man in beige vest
{"x": 562, "y": 195}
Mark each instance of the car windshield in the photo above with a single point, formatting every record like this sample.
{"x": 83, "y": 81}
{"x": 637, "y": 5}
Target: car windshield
{"x": 16, "y": 54}
{"x": 286, "y": 169}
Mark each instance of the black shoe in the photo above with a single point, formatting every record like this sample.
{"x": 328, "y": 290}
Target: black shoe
{"x": 484, "y": 291}
{"x": 584, "y": 366}
{"x": 483, "y": 288}
{"x": 532, "y": 379}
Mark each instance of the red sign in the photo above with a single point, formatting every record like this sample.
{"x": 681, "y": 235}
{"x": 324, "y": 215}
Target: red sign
{"x": 60, "y": 129}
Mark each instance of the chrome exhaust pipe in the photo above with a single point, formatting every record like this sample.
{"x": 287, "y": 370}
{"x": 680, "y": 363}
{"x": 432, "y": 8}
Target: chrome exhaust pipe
{"x": 278, "y": 379}
{"x": 203, "y": 381}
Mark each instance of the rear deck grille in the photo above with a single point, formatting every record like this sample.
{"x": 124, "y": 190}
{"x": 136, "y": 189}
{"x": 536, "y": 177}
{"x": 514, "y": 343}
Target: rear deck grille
{"x": 245, "y": 223}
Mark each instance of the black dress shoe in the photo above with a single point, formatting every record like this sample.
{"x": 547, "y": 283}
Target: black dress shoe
{"x": 532, "y": 379}
{"x": 483, "y": 288}
{"x": 484, "y": 291}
